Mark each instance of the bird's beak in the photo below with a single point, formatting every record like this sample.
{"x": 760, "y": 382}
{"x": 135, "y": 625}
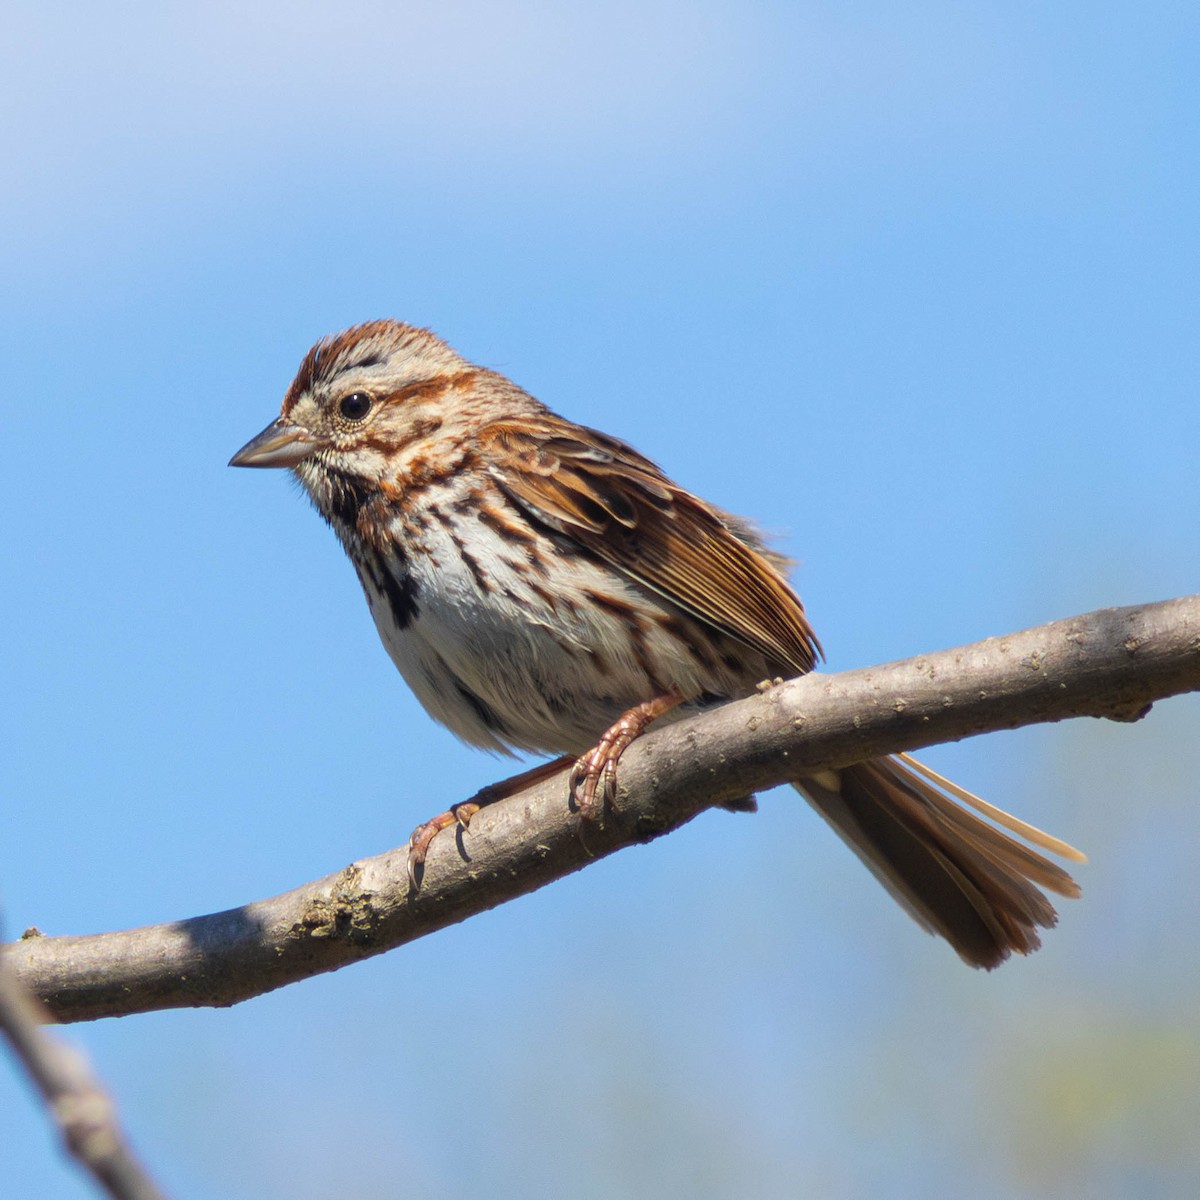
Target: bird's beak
{"x": 281, "y": 444}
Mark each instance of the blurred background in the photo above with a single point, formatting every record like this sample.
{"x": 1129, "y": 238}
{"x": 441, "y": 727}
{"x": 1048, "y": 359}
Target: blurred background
{"x": 916, "y": 286}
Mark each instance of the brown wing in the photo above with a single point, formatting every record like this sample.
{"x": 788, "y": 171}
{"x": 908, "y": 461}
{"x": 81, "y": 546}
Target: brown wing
{"x": 623, "y": 509}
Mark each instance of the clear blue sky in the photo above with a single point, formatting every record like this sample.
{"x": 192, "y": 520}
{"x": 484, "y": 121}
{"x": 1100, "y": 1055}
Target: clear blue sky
{"x": 916, "y": 286}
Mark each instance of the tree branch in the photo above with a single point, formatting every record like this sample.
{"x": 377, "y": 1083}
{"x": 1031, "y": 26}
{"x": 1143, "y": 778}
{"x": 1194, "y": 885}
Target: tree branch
{"x": 1113, "y": 663}
{"x": 83, "y": 1111}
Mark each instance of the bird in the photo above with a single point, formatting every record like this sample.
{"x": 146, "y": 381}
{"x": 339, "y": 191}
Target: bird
{"x": 544, "y": 587}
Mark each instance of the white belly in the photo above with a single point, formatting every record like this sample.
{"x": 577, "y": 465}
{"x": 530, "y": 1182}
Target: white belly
{"x": 508, "y": 647}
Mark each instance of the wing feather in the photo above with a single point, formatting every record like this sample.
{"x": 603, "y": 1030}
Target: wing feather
{"x": 620, "y": 507}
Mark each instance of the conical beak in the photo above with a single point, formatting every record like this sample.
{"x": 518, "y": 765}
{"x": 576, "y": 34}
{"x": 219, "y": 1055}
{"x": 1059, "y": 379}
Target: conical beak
{"x": 281, "y": 444}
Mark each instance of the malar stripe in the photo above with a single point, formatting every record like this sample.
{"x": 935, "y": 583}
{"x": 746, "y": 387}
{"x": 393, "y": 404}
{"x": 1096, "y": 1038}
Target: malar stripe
{"x": 347, "y": 497}
{"x": 391, "y": 576}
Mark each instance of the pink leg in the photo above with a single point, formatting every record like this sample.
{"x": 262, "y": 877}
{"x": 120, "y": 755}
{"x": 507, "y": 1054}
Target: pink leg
{"x": 599, "y": 764}
{"x": 461, "y": 814}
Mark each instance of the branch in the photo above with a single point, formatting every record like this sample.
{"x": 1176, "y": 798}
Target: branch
{"x": 1113, "y": 663}
{"x": 84, "y": 1112}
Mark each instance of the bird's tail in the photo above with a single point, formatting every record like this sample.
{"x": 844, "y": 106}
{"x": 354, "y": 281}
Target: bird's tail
{"x": 954, "y": 872}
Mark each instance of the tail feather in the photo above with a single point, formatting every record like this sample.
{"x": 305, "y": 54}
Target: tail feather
{"x": 953, "y": 872}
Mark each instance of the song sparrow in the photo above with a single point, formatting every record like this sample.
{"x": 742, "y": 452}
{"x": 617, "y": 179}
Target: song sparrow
{"x": 537, "y": 583}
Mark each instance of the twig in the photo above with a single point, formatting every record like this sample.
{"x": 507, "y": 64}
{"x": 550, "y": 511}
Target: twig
{"x": 1113, "y": 663}
{"x": 84, "y": 1112}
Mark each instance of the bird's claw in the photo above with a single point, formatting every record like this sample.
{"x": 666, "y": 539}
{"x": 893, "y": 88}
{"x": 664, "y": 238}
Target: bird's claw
{"x": 596, "y": 771}
{"x": 423, "y": 835}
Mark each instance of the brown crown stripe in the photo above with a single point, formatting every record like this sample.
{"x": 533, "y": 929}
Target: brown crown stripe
{"x": 328, "y": 357}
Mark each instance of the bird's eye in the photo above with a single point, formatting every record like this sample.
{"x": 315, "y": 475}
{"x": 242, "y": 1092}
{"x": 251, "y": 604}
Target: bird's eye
{"x": 355, "y": 406}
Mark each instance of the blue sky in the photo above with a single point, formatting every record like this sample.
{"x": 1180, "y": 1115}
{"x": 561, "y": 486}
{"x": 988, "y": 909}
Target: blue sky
{"x": 914, "y": 286}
